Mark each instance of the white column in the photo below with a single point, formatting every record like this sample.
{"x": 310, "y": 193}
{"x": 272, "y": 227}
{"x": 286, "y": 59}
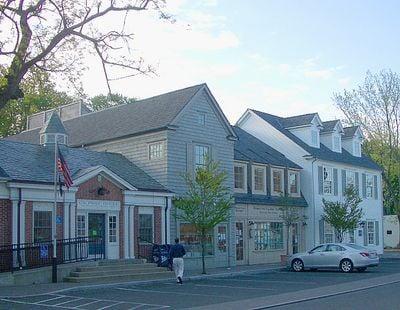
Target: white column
{"x": 22, "y": 222}
{"x": 14, "y": 221}
{"x": 65, "y": 222}
{"x": 169, "y": 221}
{"x": 163, "y": 224}
{"x": 132, "y": 231}
{"x": 73, "y": 220}
{"x": 126, "y": 231}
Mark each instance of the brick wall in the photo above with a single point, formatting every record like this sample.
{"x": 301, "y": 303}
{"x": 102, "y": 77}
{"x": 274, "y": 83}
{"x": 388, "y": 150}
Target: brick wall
{"x": 89, "y": 190}
{"x": 5, "y": 222}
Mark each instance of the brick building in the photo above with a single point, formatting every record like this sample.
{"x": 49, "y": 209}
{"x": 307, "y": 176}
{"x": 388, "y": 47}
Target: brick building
{"x": 110, "y": 197}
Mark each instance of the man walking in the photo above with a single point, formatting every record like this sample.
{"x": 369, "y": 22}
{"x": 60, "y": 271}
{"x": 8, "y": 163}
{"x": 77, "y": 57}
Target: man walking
{"x": 177, "y": 252}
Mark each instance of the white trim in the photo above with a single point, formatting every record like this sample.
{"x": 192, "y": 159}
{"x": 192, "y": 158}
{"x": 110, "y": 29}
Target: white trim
{"x": 298, "y": 183}
{"x": 244, "y": 166}
{"x": 264, "y": 191}
{"x": 163, "y": 153}
{"x": 102, "y": 169}
{"x": 148, "y": 194}
{"x": 99, "y": 205}
{"x": 332, "y": 182}
{"x": 146, "y": 210}
{"x": 282, "y": 171}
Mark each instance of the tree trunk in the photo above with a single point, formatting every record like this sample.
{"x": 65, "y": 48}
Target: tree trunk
{"x": 203, "y": 253}
{"x": 287, "y": 240}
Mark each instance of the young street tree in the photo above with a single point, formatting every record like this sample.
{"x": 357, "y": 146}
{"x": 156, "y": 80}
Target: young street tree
{"x": 375, "y": 105}
{"x": 289, "y": 215}
{"x": 206, "y": 203}
{"x": 52, "y": 35}
{"x": 343, "y": 216}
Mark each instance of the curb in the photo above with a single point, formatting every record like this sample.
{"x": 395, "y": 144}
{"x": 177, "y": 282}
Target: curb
{"x": 144, "y": 282}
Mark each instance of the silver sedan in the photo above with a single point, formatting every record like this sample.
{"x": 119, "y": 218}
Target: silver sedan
{"x": 345, "y": 256}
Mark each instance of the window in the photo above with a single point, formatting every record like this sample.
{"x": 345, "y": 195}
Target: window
{"x": 277, "y": 181}
{"x": 189, "y": 236}
{"x": 350, "y": 179}
{"x": 318, "y": 249}
{"x": 146, "y": 227}
{"x": 357, "y": 148}
{"x": 156, "y": 150}
{"x": 61, "y": 139}
{"x": 328, "y": 180}
{"x": 222, "y": 238}
{"x": 335, "y": 248}
{"x": 336, "y": 143}
{"x": 369, "y": 186}
{"x": 240, "y": 173}
{"x": 42, "y": 226}
{"x": 201, "y": 153}
{"x": 314, "y": 138}
{"x": 81, "y": 226}
{"x": 268, "y": 236}
{"x": 294, "y": 188}
{"x": 328, "y": 233}
{"x": 201, "y": 118}
{"x": 352, "y": 236}
{"x": 50, "y": 138}
{"x": 112, "y": 228}
{"x": 259, "y": 179}
{"x": 371, "y": 232}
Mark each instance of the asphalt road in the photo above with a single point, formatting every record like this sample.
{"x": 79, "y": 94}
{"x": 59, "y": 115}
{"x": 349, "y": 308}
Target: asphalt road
{"x": 214, "y": 291}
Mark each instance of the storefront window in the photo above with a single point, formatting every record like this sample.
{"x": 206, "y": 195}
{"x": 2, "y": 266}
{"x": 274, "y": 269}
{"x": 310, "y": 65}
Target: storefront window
{"x": 81, "y": 226}
{"x": 222, "y": 239}
{"x": 268, "y": 236}
{"x": 328, "y": 233}
{"x": 41, "y": 226}
{"x": 190, "y": 238}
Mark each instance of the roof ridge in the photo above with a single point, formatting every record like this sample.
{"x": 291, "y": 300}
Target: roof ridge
{"x": 306, "y": 114}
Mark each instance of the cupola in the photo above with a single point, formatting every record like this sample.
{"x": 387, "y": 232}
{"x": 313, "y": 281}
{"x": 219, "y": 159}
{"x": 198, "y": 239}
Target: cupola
{"x": 53, "y": 130}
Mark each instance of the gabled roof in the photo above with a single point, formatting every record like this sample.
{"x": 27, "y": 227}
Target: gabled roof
{"x": 25, "y": 162}
{"x": 147, "y": 115}
{"x": 53, "y": 125}
{"x": 323, "y": 152}
{"x": 350, "y": 132}
{"x": 249, "y": 148}
{"x": 329, "y": 126}
{"x": 298, "y": 120}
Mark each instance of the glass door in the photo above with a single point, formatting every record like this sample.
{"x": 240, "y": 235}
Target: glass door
{"x": 295, "y": 238}
{"x": 96, "y": 229}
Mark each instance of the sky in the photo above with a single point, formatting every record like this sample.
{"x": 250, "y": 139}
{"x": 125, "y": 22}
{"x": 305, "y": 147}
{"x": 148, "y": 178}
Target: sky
{"x": 278, "y": 56}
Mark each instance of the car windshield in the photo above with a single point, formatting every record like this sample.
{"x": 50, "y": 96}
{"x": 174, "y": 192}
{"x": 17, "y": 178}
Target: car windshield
{"x": 356, "y": 247}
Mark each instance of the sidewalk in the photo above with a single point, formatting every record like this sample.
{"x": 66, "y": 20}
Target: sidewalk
{"x": 37, "y": 289}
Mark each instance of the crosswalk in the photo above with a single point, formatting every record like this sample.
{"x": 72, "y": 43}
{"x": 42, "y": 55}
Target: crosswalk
{"x": 60, "y": 301}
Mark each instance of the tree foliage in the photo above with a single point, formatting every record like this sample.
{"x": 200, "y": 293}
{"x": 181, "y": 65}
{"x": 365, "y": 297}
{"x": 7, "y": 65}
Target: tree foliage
{"x": 343, "y": 216}
{"x": 289, "y": 215}
{"x": 206, "y": 203}
{"x": 40, "y": 95}
{"x": 375, "y": 105}
{"x": 53, "y": 35}
{"x": 101, "y": 102}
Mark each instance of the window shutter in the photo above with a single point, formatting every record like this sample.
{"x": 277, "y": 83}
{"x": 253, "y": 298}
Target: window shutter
{"x": 335, "y": 182}
{"x": 320, "y": 180}
{"x": 376, "y": 233}
{"x": 375, "y": 187}
{"x": 365, "y": 233}
{"x": 343, "y": 182}
{"x": 286, "y": 182}
{"x": 357, "y": 183}
{"x": 268, "y": 177}
{"x": 190, "y": 158}
{"x": 321, "y": 231}
{"x": 250, "y": 178}
{"x": 364, "y": 183}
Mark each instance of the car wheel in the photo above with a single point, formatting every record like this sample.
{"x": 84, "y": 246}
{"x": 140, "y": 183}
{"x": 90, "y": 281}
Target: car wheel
{"x": 361, "y": 269}
{"x": 297, "y": 265}
{"x": 346, "y": 265}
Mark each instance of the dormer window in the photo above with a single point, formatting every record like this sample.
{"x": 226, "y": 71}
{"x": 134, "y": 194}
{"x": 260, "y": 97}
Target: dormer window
{"x": 357, "y": 148}
{"x": 314, "y": 137}
{"x": 337, "y": 147}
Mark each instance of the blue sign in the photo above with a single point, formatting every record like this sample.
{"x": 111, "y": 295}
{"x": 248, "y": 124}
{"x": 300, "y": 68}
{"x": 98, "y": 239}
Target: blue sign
{"x": 44, "y": 251}
{"x": 59, "y": 220}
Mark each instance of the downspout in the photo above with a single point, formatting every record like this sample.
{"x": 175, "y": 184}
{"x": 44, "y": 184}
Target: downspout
{"x": 313, "y": 198}
{"x": 166, "y": 221}
{"x": 19, "y": 228}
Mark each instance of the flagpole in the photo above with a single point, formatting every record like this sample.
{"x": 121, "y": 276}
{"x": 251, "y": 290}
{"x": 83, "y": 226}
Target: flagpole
{"x": 54, "y": 226}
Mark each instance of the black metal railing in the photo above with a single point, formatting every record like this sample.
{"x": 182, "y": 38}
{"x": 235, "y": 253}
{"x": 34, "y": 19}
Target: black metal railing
{"x": 34, "y": 255}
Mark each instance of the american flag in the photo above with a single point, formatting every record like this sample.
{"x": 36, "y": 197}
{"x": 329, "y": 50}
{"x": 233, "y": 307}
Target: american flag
{"x": 63, "y": 168}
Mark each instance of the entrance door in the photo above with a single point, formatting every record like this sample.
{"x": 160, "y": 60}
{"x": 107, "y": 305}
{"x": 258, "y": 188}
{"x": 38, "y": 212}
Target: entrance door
{"x": 239, "y": 242}
{"x": 96, "y": 228}
{"x": 295, "y": 238}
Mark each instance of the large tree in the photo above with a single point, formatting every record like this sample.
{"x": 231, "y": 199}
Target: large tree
{"x": 375, "y": 105}
{"x": 206, "y": 203}
{"x": 52, "y": 35}
{"x": 101, "y": 102}
{"x": 40, "y": 95}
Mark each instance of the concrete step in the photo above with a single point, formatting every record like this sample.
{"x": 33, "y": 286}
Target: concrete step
{"x": 122, "y": 277}
{"x": 117, "y": 267}
{"x": 95, "y": 273}
{"x": 111, "y": 262}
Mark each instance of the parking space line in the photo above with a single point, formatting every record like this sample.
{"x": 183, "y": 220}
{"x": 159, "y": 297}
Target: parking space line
{"x": 112, "y": 305}
{"x": 173, "y": 293}
{"x": 65, "y": 302}
{"x": 270, "y": 281}
{"x": 86, "y": 304}
{"x": 241, "y": 287}
{"x": 47, "y": 300}
{"x": 31, "y": 303}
